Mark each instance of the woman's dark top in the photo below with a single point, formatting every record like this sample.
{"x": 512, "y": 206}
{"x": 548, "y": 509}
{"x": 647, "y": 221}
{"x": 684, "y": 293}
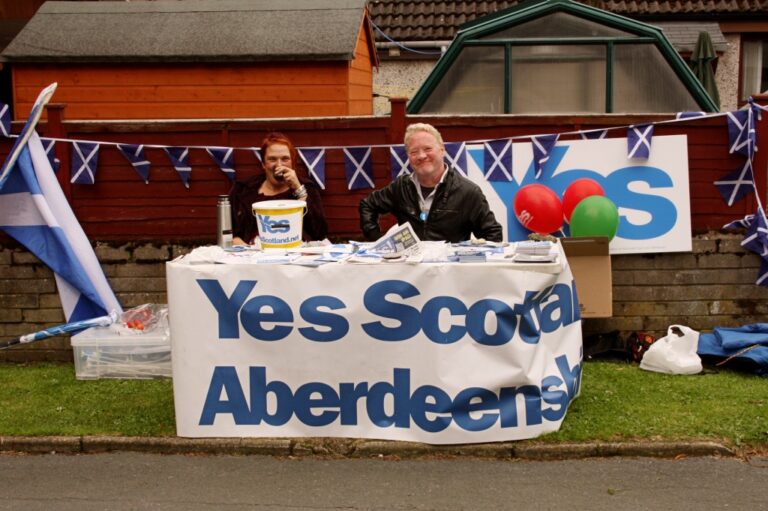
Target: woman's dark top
{"x": 244, "y": 193}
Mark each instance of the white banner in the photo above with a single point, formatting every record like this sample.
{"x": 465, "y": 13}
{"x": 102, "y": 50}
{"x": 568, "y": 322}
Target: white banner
{"x": 442, "y": 354}
{"x": 652, "y": 195}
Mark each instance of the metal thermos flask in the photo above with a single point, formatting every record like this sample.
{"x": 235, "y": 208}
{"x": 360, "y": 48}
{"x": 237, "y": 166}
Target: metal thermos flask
{"x": 224, "y": 222}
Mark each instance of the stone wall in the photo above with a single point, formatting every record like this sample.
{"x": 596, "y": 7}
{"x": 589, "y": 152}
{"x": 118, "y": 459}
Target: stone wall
{"x": 711, "y": 286}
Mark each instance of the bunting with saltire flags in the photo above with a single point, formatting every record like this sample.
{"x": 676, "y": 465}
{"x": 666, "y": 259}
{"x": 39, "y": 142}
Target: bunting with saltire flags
{"x": 741, "y": 132}
{"x": 314, "y": 160}
{"x": 741, "y": 223}
{"x": 34, "y": 211}
{"x": 498, "y": 160}
{"x": 398, "y": 161}
{"x": 5, "y": 120}
{"x": 456, "y": 156}
{"x": 737, "y": 184}
{"x": 50, "y": 151}
{"x": 598, "y": 134}
{"x": 639, "y": 140}
{"x": 85, "y": 162}
{"x": 257, "y": 153}
{"x": 689, "y": 115}
{"x": 358, "y": 167}
{"x": 179, "y": 157}
{"x": 135, "y": 156}
{"x": 224, "y": 157}
{"x": 542, "y": 146}
{"x": 756, "y": 240}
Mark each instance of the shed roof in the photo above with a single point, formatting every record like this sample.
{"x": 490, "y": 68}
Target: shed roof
{"x": 439, "y": 20}
{"x": 192, "y": 30}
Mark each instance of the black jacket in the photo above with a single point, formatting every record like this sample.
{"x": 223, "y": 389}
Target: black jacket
{"x": 458, "y": 210}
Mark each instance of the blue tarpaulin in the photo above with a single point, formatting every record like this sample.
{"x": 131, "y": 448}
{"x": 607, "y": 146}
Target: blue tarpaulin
{"x": 748, "y": 343}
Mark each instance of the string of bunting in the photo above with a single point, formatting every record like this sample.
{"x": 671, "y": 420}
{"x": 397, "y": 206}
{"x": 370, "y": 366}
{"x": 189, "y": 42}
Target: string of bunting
{"x": 358, "y": 163}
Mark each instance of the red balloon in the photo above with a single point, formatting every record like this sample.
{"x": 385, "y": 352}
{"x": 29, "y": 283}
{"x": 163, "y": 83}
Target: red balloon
{"x": 577, "y": 191}
{"x": 538, "y": 208}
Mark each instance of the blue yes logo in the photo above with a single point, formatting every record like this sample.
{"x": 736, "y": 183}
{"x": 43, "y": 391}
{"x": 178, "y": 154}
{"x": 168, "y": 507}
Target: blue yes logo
{"x": 268, "y": 225}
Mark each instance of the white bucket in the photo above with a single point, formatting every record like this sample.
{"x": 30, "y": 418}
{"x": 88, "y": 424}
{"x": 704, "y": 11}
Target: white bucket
{"x": 279, "y": 222}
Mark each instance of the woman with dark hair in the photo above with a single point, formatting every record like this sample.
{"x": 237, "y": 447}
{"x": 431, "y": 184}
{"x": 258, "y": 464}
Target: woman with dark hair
{"x": 279, "y": 181}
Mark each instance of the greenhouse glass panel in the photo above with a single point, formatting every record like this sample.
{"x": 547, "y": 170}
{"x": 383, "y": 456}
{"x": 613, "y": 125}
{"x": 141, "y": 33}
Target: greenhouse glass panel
{"x": 558, "y": 25}
{"x": 558, "y": 79}
{"x": 644, "y": 82}
{"x": 473, "y": 84}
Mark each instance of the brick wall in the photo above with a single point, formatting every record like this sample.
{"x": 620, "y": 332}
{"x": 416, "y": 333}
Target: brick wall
{"x": 711, "y": 286}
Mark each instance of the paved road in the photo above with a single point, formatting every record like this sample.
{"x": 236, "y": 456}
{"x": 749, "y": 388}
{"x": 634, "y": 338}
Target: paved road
{"x": 128, "y": 481}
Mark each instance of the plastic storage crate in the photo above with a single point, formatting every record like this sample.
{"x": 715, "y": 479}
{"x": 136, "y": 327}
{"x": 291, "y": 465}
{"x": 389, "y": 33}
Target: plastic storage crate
{"x": 100, "y": 352}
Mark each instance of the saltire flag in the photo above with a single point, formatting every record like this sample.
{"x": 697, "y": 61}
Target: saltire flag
{"x": 756, "y": 238}
{"x": 689, "y": 115}
{"x": 314, "y": 159}
{"x": 497, "y": 159}
{"x": 358, "y": 167}
{"x": 35, "y": 212}
{"x": 456, "y": 156}
{"x": 5, "y": 120}
{"x": 542, "y": 146}
{"x": 85, "y": 160}
{"x": 762, "y": 273}
{"x": 179, "y": 157}
{"x": 741, "y": 132}
{"x": 398, "y": 161}
{"x": 224, "y": 157}
{"x": 135, "y": 156}
{"x": 639, "y": 141}
{"x": 257, "y": 153}
{"x": 50, "y": 150}
{"x": 741, "y": 223}
{"x": 594, "y": 134}
{"x": 735, "y": 185}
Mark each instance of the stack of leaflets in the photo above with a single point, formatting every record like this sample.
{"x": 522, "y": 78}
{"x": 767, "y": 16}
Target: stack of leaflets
{"x": 530, "y": 251}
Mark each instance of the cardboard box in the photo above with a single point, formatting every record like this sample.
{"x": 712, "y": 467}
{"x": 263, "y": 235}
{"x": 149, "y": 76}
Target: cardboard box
{"x": 100, "y": 352}
{"x": 590, "y": 264}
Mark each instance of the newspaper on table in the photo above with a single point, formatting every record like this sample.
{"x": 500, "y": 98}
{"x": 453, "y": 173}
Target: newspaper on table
{"x": 400, "y": 239}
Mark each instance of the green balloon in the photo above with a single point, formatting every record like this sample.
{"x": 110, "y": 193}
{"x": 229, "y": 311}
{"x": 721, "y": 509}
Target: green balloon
{"x": 595, "y": 216}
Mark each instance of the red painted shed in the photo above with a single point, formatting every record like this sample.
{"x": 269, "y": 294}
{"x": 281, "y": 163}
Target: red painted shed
{"x": 197, "y": 59}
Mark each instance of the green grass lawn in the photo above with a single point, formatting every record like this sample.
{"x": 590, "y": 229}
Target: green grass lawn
{"x": 618, "y": 402}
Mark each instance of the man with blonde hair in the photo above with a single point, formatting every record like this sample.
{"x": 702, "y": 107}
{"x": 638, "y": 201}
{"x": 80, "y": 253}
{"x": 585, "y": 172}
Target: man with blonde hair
{"x": 439, "y": 203}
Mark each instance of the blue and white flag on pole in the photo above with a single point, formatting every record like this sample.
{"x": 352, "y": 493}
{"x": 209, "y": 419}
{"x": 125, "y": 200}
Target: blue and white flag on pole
{"x": 49, "y": 145}
{"x": 542, "y": 146}
{"x": 179, "y": 157}
{"x": 5, "y": 120}
{"x": 358, "y": 167}
{"x": 456, "y": 156}
{"x": 85, "y": 161}
{"x": 639, "y": 141}
{"x": 135, "y": 156}
{"x": 224, "y": 157}
{"x": 35, "y": 212}
{"x": 314, "y": 159}
{"x": 497, "y": 157}
{"x": 398, "y": 161}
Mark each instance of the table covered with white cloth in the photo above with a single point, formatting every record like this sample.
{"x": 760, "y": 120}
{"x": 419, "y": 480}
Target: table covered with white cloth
{"x": 441, "y": 353}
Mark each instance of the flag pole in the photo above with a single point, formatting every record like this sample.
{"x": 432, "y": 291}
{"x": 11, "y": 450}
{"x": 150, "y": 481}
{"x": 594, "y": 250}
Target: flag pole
{"x": 37, "y": 110}
{"x": 53, "y": 331}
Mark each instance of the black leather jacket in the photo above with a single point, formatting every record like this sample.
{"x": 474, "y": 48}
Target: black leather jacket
{"x": 458, "y": 210}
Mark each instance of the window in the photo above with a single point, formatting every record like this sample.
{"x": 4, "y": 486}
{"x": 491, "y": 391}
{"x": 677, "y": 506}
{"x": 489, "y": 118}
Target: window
{"x": 559, "y": 58}
{"x": 754, "y": 67}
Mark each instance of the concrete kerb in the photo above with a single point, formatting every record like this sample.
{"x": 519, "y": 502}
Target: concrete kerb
{"x": 355, "y": 448}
